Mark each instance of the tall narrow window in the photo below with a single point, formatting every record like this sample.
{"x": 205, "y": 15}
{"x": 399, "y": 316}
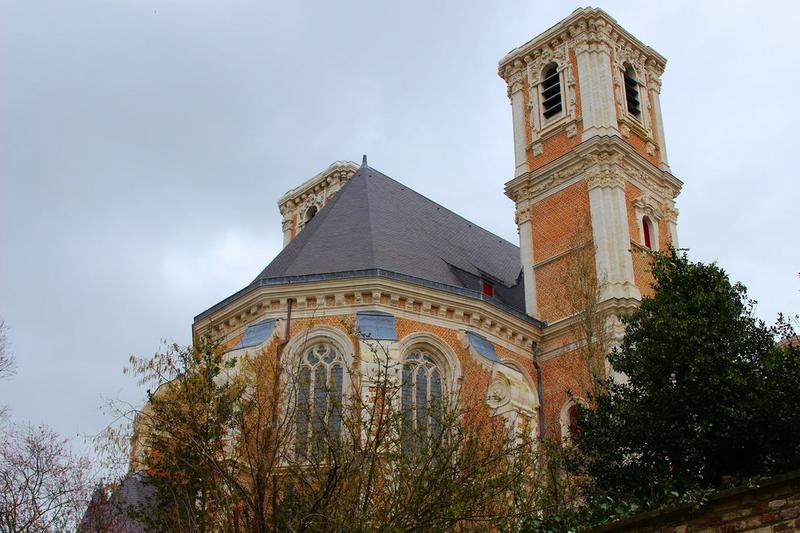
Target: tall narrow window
{"x": 487, "y": 289}
{"x": 551, "y": 91}
{"x": 646, "y": 232}
{"x": 572, "y": 420}
{"x": 632, "y": 92}
{"x": 319, "y": 398}
{"x": 420, "y": 398}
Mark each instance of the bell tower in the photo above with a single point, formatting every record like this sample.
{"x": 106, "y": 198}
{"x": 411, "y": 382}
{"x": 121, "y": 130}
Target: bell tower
{"x": 590, "y": 158}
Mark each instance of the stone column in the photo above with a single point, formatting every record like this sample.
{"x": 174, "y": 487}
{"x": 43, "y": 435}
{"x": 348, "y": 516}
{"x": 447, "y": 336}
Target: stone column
{"x": 672, "y": 225}
{"x": 515, "y": 94}
{"x": 286, "y": 226}
{"x": 523, "y": 219}
{"x": 613, "y": 260}
{"x": 655, "y": 99}
{"x": 596, "y": 88}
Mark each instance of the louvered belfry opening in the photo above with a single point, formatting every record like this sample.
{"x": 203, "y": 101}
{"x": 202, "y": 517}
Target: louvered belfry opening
{"x": 632, "y": 92}
{"x": 551, "y": 91}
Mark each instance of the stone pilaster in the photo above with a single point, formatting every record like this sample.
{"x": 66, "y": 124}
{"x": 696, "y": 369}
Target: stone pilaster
{"x": 593, "y": 54}
{"x": 515, "y": 94}
{"x": 613, "y": 259}
{"x": 655, "y": 99}
{"x": 523, "y": 219}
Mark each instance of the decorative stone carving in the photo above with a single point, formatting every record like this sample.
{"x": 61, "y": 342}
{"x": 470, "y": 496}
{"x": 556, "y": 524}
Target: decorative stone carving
{"x": 604, "y": 178}
{"x": 499, "y": 392}
{"x": 657, "y": 186}
{"x": 516, "y": 79}
{"x": 315, "y": 192}
{"x": 537, "y": 149}
{"x": 572, "y": 130}
{"x": 532, "y": 189}
{"x": 645, "y": 206}
{"x": 522, "y": 214}
{"x": 671, "y": 213}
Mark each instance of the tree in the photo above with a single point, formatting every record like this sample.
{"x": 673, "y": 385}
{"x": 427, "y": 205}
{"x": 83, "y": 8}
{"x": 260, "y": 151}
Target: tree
{"x": 708, "y": 397}
{"x": 44, "y": 487}
{"x": 7, "y": 363}
{"x": 218, "y": 440}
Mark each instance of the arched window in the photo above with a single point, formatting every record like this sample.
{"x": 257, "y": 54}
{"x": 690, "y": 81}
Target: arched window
{"x": 632, "y": 92}
{"x": 572, "y": 419}
{"x": 421, "y": 399}
{"x": 647, "y": 232}
{"x": 312, "y": 211}
{"x": 551, "y": 91}
{"x": 320, "y": 395}
{"x": 569, "y": 417}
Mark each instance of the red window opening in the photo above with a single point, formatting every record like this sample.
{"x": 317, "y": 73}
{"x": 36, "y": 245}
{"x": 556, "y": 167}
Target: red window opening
{"x": 646, "y": 228}
{"x": 488, "y": 290}
{"x": 572, "y": 420}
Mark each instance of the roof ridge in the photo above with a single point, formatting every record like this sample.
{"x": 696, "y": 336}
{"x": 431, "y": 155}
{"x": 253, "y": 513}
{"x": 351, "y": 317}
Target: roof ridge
{"x": 365, "y": 167}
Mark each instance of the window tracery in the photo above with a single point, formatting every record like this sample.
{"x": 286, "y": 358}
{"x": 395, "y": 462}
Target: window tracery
{"x": 320, "y": 396}
{"x": 421, "y": 398}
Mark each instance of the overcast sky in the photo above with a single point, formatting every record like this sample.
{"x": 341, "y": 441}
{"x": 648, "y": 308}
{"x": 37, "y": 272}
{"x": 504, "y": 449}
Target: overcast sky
{"x": 144, "y": 143}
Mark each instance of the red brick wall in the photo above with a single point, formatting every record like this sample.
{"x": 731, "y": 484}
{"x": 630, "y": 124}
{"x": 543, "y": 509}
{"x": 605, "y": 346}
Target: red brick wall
{"x": 774, "y": 506}
{"x": 558, "y": 222}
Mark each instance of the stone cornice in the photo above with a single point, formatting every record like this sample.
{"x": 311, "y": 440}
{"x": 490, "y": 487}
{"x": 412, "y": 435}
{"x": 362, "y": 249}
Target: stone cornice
{"x": 338, "y": 172}
{"x": 585, "y": 27}
{"x": 599, "y": 156}
{"x": 345, "y": 296}
{"x": 567, "y": 326}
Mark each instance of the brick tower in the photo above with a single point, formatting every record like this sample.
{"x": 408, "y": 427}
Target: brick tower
{"x": 590, "y": 153}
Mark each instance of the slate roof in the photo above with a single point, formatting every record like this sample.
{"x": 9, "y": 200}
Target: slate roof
{"x": 375, "y": 222}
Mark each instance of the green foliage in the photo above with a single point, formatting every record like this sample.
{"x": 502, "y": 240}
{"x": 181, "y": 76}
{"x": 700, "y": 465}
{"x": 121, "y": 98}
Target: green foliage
{"x": 710, "y": 399}
{"x": 185, "y": 428}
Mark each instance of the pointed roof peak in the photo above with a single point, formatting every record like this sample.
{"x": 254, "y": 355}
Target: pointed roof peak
{"x": 364, "y": 161}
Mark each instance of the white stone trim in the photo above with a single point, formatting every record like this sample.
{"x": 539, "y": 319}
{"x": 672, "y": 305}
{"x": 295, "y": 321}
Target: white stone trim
{"x": 613, "y": 260}
{"x": 597, "y": 96}
{"x": 518, "y": 118}
{"x": 441, "y": 352}
{"x": 337, "y": 297}
{"x": 645, "y": 207}
{"x": 524, "y": 225}
{"x": 302, "y": 341}
{"x": 655, "y": 97}
{"x": 315, "y": 192}
{"x": 542, "y": 127}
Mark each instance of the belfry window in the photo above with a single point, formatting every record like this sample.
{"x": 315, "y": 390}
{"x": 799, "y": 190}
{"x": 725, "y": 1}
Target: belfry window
{"x": 551, "y": 91}
{"x": 647, "y": 231}
{"x": 311, "y": 213}
{"x": 632, "y": 92}
{"x": 421, "y": 400}
{"x": 319, "y": 398}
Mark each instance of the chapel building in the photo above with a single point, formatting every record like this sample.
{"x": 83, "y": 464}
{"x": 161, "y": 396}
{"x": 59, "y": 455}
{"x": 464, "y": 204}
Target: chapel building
{"x": 366, "y": 259}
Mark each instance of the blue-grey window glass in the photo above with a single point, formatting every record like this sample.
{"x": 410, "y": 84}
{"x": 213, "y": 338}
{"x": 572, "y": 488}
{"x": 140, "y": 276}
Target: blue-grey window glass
{"x": 376, "y": 325}
{"x": 301, "y": 416}
{"x": 320, "y": 397}
{"x": 256, "y": 334}
{"x": 335, "y": 407}
{"x": 436, "y": 403}
{"x": 421, "y": 397}
{"x": 483, "y": 346}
